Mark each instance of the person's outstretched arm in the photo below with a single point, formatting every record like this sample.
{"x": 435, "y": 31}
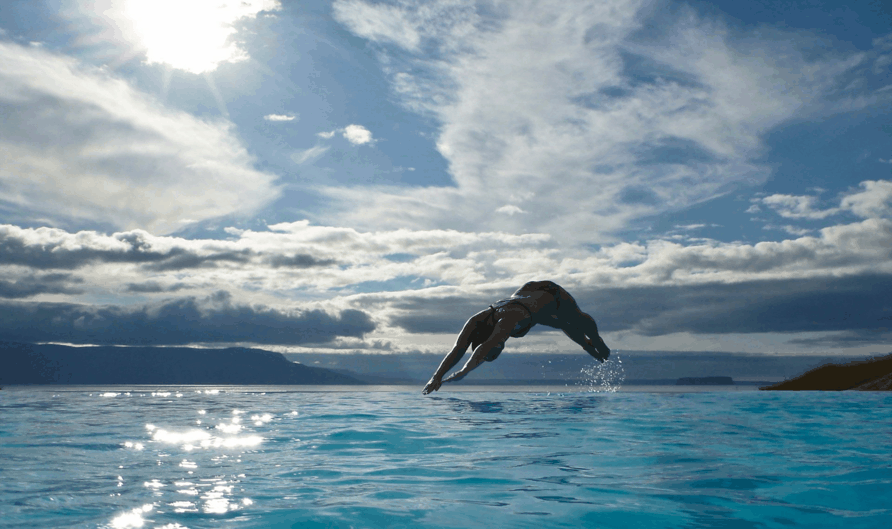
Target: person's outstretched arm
{"x": 458, "y": 351}
{"x": 501, "y": 333}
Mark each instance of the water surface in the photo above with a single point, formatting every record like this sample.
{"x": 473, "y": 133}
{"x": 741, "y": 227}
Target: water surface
{"x": 176, "y": 457}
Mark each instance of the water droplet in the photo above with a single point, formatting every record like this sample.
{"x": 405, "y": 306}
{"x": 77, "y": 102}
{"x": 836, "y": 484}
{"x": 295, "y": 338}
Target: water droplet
{"x": 605, "y": 377}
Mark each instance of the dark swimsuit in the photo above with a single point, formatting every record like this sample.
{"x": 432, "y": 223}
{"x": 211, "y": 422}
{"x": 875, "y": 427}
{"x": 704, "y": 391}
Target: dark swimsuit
{"x": 524, "y": 325}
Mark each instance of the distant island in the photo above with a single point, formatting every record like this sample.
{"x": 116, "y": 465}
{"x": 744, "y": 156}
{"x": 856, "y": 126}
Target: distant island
{"x": 59, "y": 364}
{"x": 705, "y": 381}
{"x": 874, "y": 374}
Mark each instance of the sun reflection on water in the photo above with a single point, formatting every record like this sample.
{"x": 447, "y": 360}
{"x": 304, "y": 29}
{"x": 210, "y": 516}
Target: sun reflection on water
{"x": 132, "y": 518}
{"x": 183, "y": 506}
{"x": 154, "y": 484}
{"x": 260, "y": 420}
{"x": 196, "y": 438}
{"x": 198, "y": 485}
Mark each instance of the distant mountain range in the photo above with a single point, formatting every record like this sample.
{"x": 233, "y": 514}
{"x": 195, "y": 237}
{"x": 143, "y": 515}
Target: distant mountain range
{"x": 59, "y": 364}
{"x": 514, "y": 367}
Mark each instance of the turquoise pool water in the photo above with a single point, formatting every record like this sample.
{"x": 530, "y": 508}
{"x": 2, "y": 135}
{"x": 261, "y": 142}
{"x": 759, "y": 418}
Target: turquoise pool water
{"x": 190, "y": 457}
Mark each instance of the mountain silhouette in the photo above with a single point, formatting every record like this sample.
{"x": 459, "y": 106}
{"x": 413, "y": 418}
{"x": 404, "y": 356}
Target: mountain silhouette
{"x": 58, "y": 364}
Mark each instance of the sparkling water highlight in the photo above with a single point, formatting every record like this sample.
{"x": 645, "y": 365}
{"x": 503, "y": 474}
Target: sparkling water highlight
{"x": 194, "y": 457}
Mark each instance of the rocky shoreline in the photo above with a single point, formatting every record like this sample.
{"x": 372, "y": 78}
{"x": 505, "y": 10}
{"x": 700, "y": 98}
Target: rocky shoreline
{"x": 874, "y": 374}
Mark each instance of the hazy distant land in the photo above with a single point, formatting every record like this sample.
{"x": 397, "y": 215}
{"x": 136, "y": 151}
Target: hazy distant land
{"x": 58, "y": 364}
{"x": 663, "y": 368}
{"x": 705, "y": 381}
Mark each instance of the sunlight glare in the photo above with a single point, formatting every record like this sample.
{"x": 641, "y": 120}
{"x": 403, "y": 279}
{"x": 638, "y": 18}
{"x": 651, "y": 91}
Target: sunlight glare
{"x": 195, "y": 36}
{"x": 132, "y": 518}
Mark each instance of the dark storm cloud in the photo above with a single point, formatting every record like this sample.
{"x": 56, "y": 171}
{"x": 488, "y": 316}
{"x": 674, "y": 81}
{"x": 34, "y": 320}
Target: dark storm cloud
{"x": 807, "y": 305}
{"x": 153, "y": 287}
{"x": 851, "y": 338}
{"x": 31, "y": 285}
{"x": 46, "y": 249}
{"x": 862, "y": 305}
{"x": 176, "y": 322}
{"x": 300, "y": 260}
{"x": 180, "y": 259}
{"x": 419, "y": 314}
{"x": 25, "y": 247}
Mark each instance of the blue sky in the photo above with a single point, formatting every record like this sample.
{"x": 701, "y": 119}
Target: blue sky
{"x": 363, "y": 176}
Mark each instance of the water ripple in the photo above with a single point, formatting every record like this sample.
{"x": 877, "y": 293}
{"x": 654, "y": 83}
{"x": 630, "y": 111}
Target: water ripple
{"x": 196, "y": 457}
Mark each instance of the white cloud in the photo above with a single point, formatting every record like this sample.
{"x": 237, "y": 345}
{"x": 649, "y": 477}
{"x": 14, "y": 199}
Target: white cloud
{"x": 307, "y": 155}
{"x": 863, "y": 247}
{"x": 624, "y": 253}
{"x": 792, "y": 230}
{"x": 280, "y": 117}
{"x": 378, "y": 23}
{"x": 874, "y": 201}
{"x": 320, "y": 259}
{"x": 357, "y": 134}
{"x": 77, "y": 143}
{"x": 325, "y": 266}
{"x": 509, "y": 209}
{"x": 567, "y": 99}
{"x": 797, "y": 207}
{"x": 882, "y": 60}
{"x": 446, "y": 22}
{"x": 795, "y": 230}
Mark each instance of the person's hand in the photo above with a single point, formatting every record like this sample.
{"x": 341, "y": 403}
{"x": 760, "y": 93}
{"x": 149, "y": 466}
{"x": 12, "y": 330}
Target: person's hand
{"x": 432, "y": 385}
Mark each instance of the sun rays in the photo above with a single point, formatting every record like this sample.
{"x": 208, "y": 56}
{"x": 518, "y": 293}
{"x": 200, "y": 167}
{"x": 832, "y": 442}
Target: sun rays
{"x": 195, "y": 36}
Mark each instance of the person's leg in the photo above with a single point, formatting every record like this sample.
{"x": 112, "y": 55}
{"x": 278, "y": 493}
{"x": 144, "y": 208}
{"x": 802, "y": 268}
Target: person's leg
{"x": 575, "y": 333}
{"x": 591, "y": 330}
{"x": 580, "y": 327}
{"x": 591, "y": 343}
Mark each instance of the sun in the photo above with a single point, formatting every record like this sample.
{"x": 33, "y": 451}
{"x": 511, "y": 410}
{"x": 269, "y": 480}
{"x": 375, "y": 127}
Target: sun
{"x": 191, "y": 35}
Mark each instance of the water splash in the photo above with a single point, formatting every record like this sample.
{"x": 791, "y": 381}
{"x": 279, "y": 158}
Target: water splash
{"x": 604, "y": 378}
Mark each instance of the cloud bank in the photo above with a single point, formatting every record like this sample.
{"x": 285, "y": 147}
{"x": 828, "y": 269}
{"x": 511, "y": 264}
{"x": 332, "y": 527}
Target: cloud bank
{"x": 326, "y": 257}
{"x": 413, "y": 282}
{"x": 420, "y": 282}
{"x": 216, "y": 319}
